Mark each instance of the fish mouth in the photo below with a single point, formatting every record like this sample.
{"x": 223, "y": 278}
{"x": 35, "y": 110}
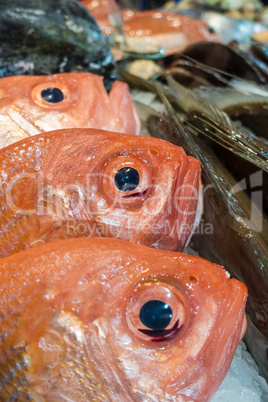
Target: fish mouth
{"x": 135, "y": 195}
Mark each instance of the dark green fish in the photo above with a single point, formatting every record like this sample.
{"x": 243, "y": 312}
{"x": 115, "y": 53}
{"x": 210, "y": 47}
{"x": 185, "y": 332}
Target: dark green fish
{"x": 47, "y": 37}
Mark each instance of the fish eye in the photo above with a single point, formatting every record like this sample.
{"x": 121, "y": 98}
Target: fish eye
{"x": 156, "y": 312}
{"x": 52, "y": 95}
{"x": 126, "y": 181}
{"x": 211, "y": 29}
{"x": 127, "y": 178}
{"x": 156, "y": 315}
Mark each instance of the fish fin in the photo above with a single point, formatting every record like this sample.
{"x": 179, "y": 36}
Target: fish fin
{"x": 248, "y": 87}
{"x": 216, "y": 125}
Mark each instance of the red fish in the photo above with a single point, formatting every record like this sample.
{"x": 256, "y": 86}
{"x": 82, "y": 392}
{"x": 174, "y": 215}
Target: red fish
{"x": 107, "y": 320}
{"x": 165, "y": 29}
{"x": 86, "y": 182}
{"x": 30, "y": 105}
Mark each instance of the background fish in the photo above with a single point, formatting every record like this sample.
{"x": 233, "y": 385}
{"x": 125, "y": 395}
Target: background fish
{"x": 48, "y": 37}
{"x": 30, "y": 105}
{"x": 161, "y": 28}
{"x": 88, "y": 182}
{"x": 104, "y": 319}
{"x": 227, "y": 28}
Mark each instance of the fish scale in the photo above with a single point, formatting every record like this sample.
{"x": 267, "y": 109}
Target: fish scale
{"x": 14, "y": 374}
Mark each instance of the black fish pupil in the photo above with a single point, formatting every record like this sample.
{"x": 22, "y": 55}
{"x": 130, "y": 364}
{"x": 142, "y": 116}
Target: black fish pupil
{"x": 127, "y": 179}
{"x": 155, "y": 314}
{"x": 52, "y": 95}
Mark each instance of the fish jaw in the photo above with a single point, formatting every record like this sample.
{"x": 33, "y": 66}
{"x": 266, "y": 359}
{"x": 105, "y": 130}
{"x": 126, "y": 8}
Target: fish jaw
{"x": 74, "y": 321}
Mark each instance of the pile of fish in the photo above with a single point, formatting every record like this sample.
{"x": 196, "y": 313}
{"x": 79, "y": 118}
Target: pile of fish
{"x": 84, "y": 310}
{"x": 216, "y": 99}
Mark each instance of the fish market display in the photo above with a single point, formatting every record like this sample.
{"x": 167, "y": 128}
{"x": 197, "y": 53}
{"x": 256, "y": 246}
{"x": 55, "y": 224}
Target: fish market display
{"x": 30, "y": 105}
{"x": 160, "y": 29}
{"x": 88, "y": 182}
{"x": 48, "y": 37}
{"x": 236, "y": 234}
{"x": 104, "y": 319}
{"x": 233, "y": 231}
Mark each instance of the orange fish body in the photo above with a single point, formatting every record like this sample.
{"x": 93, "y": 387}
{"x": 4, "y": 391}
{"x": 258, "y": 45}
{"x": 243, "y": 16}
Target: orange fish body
{"x": 89, "y": 182}
{"x": 107, "y": 320}
{"x": 30, "y": 105}
{"x": 165, "y": 29}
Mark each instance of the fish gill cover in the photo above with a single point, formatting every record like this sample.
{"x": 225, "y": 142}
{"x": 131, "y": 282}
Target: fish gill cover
{"x": 46, "y": 37}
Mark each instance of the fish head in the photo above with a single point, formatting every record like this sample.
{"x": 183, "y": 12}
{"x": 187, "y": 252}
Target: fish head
{"x": 139, "y": 189}
{"x": 89, "y": 182}
{"x": 105, "y": 319}
{"x": 30, "y": 105}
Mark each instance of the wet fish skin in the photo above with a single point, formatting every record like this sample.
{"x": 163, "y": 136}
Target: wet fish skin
{"x": 61, "y": 184}
{"x": 72, "y": 329}
{"x": 85, "y": 104}
{"x": 47, "y": 37}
